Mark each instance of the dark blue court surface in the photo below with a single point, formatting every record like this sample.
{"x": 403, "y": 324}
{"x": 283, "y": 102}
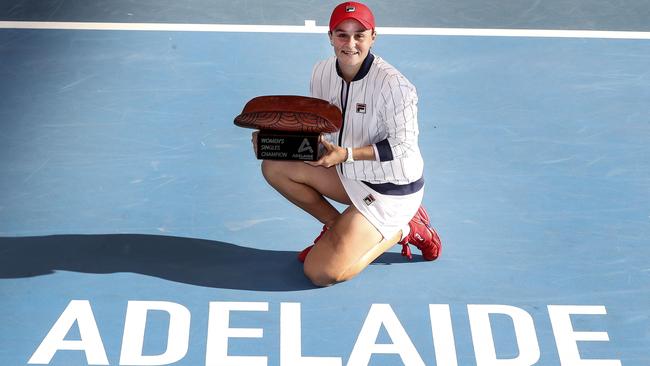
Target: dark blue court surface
{"x": 136, "y": 228}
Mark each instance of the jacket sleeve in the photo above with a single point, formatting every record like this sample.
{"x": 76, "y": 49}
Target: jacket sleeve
{"x": 398, "y": 115}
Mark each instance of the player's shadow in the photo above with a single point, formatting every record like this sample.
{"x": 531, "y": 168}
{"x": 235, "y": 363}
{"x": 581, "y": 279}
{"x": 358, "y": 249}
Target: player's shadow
{"x": 192, "y": 261}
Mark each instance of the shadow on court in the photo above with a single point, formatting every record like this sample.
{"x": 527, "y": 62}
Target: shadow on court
{"x": 185, "y": 260}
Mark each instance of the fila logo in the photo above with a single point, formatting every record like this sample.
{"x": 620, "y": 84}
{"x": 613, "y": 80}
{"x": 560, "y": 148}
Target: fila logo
{"x": 350, "y": 9}
{"x": 361, "y": 108}
{"x": 369, "y": 199}
{"x": 305, "y": 146}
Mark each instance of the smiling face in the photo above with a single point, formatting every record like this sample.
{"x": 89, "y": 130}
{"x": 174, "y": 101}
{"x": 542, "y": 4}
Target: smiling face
{"x": 351, "y": 42}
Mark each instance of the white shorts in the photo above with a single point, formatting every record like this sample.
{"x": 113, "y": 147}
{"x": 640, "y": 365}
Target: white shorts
{"x": 387, "y": 213}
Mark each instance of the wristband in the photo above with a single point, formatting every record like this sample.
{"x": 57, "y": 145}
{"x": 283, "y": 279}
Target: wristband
{"x": 350, "y": 158}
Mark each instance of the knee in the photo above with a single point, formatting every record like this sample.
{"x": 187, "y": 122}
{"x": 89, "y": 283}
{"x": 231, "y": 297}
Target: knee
{"x": 272, "y": 171}
{"x": 275, "y": 170}
{"x": 270, "y": 168}
{"x": 322, "y": 270}
{"x": 321, "y": 277}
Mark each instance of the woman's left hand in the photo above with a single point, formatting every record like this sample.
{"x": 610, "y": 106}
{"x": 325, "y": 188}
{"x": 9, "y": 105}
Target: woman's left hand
{"x": 333, "y": 155}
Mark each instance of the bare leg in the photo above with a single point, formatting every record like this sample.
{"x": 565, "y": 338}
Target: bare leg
{"x": 346, "y": 249}
{"x": 352, "y": 242}
{"x": 307, "y": 186}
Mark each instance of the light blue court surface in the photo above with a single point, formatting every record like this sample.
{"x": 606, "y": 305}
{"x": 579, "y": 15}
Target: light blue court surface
{"x": 136, "y": 228}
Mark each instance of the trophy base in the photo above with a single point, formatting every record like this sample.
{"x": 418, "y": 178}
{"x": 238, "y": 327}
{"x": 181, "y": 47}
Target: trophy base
{"x": 280, "y": 145}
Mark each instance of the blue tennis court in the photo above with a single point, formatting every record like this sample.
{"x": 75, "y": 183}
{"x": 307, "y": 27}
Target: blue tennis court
{"x": 137, "y": 229}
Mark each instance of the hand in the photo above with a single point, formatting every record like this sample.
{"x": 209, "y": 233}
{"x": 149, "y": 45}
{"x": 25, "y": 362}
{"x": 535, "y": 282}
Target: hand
{"x": 254, "y": 141}
{"x": 333, "y": 155}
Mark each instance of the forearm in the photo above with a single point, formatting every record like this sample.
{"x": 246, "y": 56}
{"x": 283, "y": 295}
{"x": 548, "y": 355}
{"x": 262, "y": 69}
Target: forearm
{"x": 364, "y": 153}
{"x": 334, "y": 154}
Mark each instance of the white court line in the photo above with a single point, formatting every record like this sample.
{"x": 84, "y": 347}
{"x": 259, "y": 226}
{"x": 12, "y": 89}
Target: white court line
{"x": 311, "y": 27}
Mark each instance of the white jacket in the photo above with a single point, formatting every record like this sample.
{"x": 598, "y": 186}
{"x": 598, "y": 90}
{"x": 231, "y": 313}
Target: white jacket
{"x": 379, "y": 108}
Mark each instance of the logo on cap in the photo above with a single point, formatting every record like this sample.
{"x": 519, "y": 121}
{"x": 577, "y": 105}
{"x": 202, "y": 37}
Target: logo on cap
{"x": 352, "y": 10}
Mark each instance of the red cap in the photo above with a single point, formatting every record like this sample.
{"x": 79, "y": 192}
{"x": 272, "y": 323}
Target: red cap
{"x": 352, "y": 10}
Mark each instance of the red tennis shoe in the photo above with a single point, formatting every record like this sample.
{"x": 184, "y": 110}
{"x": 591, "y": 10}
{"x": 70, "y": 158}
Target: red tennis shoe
{"x": 302, "y": 255}
{"x": 423, "y": 236}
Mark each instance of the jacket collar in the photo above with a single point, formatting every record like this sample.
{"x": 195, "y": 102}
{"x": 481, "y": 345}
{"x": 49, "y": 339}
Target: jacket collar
{"x": 363, "y": 71}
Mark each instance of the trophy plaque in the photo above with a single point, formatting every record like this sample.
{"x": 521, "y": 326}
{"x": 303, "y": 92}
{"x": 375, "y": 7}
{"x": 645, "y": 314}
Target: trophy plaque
{"x": 289, "y": 125}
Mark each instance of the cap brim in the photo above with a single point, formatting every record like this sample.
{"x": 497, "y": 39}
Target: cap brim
{"x": 363, "y": 22}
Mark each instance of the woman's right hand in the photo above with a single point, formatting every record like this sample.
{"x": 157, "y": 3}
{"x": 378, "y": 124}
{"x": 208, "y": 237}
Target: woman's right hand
{"x": 333, "y": 155}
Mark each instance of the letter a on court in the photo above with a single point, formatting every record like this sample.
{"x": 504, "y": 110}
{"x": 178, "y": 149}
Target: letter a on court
{"x": 90, "y": 342}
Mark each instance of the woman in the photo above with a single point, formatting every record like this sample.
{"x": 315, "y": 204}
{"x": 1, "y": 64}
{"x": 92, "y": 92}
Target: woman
{"x": 373, "y": 164}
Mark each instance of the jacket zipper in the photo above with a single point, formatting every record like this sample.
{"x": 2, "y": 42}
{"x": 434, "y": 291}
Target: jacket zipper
{"x": 344, "y": 105}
